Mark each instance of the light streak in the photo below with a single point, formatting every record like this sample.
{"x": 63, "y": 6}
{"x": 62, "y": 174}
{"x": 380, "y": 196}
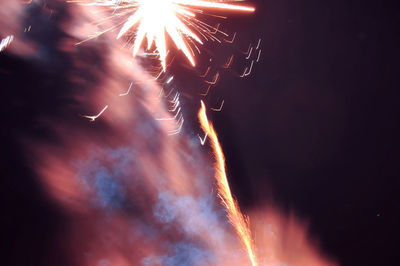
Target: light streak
{"x": 128, "y": 91}
{"x": 248, "y": 56}
{"x": 208, "y": 89}
{"x": 216, "y": 77}
{"x": 180, "y": 122}
{"x": 159, "y": 75}
{"x": 176, "y": 98}
{"x": 169, "y": 93}
{"x": 6, "y": 42}
{"x": 244, "y": 72}
{"x": 220, "y": 108}
{"x": 249, "y": 70}
{"x": 248, "y": 50}
{"x": 258, "y": 57}
{"x": 258, "y": 44}
{"x": 233, "y": 39}
{"x": 175, "y": 106}
{"x": 153, "y": 19}
{"x": 205, "y": 73}
{"x": 203, "y": 140}
{"x": 237, "y": 219}
{"x": 170, "y": 79}
{"x": 94, "y": 117}
{"x": 229, "y": 63}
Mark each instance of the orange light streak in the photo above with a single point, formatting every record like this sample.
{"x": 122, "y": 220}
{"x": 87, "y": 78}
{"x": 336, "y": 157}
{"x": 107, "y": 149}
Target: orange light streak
{"x": 236, "y": 218}
{"x": 229, "y": 63}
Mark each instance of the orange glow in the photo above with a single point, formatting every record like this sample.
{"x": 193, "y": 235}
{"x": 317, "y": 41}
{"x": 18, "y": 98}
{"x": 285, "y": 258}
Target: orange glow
{"x": 237, "y": 219}
{"x": 177, "y": 18}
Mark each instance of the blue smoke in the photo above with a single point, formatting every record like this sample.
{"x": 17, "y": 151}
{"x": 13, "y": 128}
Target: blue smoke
{"x": 182, "y": 254}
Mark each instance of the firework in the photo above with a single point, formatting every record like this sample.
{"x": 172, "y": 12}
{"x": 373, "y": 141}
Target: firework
{"x": 154, "y": 18}
{"x": 239, "y": 222}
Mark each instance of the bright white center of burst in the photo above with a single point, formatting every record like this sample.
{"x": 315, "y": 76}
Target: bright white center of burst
{"x": 157, "y": 8}
{"x": 157, "y": 14}
{"x": 155, "y": 18}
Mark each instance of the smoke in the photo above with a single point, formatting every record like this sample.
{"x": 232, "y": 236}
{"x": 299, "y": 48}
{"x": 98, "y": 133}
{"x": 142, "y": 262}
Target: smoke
{"x": 134, "y": 194}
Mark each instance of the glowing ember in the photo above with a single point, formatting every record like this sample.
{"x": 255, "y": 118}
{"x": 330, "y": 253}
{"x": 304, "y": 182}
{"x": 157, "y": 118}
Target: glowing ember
{"x": 175, "y": 17}
{"x": 239, "y": 222}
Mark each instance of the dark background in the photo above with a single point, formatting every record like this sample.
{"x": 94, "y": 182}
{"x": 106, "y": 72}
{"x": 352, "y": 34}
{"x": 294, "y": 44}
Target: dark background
{"x": 315, "y": 129}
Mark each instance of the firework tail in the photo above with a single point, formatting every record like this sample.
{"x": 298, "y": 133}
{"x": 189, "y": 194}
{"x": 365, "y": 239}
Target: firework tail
{"x": 237, "y": 219}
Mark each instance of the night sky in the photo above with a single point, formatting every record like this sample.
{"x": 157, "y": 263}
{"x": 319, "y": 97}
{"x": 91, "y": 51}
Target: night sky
{"x": 314, "y": 130}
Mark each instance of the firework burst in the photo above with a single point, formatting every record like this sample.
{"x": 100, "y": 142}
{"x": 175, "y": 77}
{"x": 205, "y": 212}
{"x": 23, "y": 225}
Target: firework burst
{"x": 153, "y": 19}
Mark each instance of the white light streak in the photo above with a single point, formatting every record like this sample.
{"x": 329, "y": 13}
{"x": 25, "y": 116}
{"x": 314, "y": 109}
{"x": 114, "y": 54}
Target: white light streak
{"x": 6, "y": 42}
{"x": 94, "y": 117}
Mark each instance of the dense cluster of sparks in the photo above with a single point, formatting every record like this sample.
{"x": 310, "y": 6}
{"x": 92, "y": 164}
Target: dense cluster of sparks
{"x": 152, "y": 19}
{"x": 237, "y": 219}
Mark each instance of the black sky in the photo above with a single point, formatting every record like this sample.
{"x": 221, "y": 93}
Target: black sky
{"x": 317, "y": 126}
{"x": 315, "y": 129}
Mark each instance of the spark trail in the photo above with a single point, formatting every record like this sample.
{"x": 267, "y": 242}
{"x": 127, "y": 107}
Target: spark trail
{"x": 237, "y": 219}
{"x": 154, "y": 18}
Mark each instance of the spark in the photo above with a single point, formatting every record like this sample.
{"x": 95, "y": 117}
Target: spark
{"x": 237, "y": 219}
{"x": 170, "y": 79}
{"x": 248, "y": 50}
{"x": 233, "y": 39}
{"x": 172, "y": 60}
{"x": 175, "y": 106}
{"x": 248, "y": 56}
{"x": 94, "y": 117}
{"x": 220, "y": 108}
{"x": 128, "y": 91}
{"x": 258, "y": 44}
{"x": 169, "y": 93}
{"x": 205, "y": 73}
{"x": 258, "y": 57}
{"x": 153, "y": 19}
{"x": 6, "y": 42}
{"x": 244, "y": 72}
{"x": 216, "y": 77}
{"x": 229, "y": 63}
{"x": 249, "y": 70}
{"x": 181, "y": 121}
{"x": 159, "y": 75}
{"x": 176, "y": 98}
{"x": 203, "y": 140}
{"x": 208, "y": 89}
